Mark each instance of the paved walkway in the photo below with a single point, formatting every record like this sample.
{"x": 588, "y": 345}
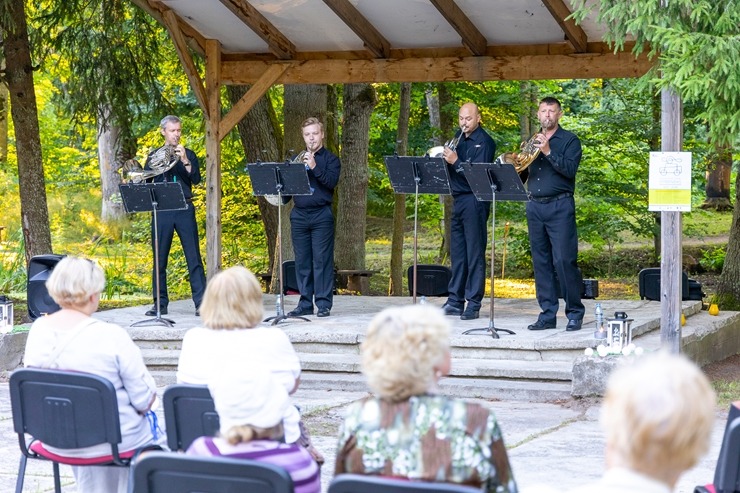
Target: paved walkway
{"x": 549, "y": 444}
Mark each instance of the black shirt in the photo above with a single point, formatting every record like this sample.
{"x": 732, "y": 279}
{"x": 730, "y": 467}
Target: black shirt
{"x": 323, "y": 179}
{"x": 478, "y": 147}
{"x": 556, "y": 174}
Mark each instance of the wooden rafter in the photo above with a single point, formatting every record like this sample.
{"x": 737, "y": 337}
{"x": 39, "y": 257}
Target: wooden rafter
{"x": 371, "y": 37}
{"x": 277, "y": 43}
{"x": 545, "y": 66}
{"x": 258, "y": 89}
{"x": 575, "y": 35}
{"x": 472, "y": 38}
{"x": 196, "y": 83}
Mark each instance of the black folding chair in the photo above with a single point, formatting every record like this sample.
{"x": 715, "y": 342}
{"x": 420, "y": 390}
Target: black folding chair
{"x": 65, "y": 410}
{"x": 162, "y": 472}
{"x": 358, "y": 483}
{"x": 727, "y": 472}
{"x": 189, "y": 413}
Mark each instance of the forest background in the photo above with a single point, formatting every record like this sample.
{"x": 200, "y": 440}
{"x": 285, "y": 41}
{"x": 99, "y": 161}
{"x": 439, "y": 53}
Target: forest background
{"x": 105, "y": 74}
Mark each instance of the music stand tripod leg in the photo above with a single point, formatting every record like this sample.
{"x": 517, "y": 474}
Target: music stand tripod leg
{"x": 491, "y": 328}
{"x": 158, "y": 320}
{"x": 280, "y": 310}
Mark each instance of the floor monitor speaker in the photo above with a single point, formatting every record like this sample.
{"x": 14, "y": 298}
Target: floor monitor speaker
{"x": 39, "y": 270}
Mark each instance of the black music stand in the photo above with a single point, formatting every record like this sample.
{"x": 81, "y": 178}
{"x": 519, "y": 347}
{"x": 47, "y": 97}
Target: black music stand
{"x": 492, "y": 182}
{"x": 154, "y": 197}
{"x": 279, "y": 179}
{"x": 412, "y": 174}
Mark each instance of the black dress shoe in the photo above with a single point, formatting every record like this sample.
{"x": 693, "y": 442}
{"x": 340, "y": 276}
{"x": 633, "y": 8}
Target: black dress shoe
{"x": 300, "y": 312}
{"x": 542, "y": 325}
{"x": 451, "y": 310}
{"x": 323, "y": 312}
{"x": 469, "y": 314}
{"x": 152, "y": 312}
{"x": 574, "y": 324}
{"x": 197, "y": 312}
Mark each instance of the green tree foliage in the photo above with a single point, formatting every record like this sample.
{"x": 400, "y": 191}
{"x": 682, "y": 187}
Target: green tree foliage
{"x": 697, "y": 43}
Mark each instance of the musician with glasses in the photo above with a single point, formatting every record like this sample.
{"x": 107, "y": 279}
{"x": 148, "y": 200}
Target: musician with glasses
{"x": 551, "y": 219}
{"x": 186, "y": 172}
{"x": 312, "y": 225}
{"x": 469, "y": 226}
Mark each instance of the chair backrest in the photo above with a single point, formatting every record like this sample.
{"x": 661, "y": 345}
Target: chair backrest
{"x": 431, "y": 280}
{"x": 165, "y": 472}
{"x": 727, "y": 473}
{"x": 64, "y": 409}
{"x": 648, "y": 281}
{"x": 358, "y": 483}
{"x": 189, "y": 413}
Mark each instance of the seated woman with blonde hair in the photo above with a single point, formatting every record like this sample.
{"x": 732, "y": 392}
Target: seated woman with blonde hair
{"x": 250, "y": 408}
{"x": 232, "y": 341}
{"x": 409, "y": 431}
{"x": 657, "y": 414}
{"x": 71, "y": 339}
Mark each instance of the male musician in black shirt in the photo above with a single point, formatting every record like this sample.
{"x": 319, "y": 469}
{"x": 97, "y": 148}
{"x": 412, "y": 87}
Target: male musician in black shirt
{"x": 551, "y": 219}
{"x": 312, "y": 225}
{"x": 469, "y": 227}
{"x": 186, "y": 172}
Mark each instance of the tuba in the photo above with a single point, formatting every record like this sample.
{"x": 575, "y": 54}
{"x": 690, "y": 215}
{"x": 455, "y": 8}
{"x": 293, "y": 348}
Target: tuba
{"x": 526, "y": 155}
{"x": 437, "y": 151}
{"x": 160, "y": 161}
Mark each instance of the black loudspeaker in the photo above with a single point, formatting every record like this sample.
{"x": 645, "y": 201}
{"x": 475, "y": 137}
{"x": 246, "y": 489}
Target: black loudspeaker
{"x": 649, "y": 285}
{"x": 431, "y": 280}
{"x": 39, "y": 270}
{"x": 290, "y": 284}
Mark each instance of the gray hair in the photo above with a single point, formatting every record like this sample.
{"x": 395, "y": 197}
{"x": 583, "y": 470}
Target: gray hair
{"x": 169, "y": 119}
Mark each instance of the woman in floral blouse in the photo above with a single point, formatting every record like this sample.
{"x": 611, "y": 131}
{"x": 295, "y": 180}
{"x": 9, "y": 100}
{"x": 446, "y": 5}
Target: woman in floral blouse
{"x": 409, "y": 431}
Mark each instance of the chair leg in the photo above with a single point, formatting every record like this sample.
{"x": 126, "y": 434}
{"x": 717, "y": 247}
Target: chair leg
{"x": 57, "y": 479}
{"x": 21, "y": 474}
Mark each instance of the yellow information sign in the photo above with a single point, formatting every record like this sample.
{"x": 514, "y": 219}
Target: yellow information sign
{"x": 669, "y": 183}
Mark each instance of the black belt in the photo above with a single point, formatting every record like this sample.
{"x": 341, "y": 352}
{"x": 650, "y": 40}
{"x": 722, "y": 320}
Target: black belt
{"x": 552, "y": 198}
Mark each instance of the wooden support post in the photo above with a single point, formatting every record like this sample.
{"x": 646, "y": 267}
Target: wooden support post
{"x": 213, "y": 157}
{"x": 671, "y": 232}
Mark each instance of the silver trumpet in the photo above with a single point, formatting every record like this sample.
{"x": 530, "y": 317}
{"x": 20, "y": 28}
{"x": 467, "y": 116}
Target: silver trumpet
{"x": 451, "y": 144}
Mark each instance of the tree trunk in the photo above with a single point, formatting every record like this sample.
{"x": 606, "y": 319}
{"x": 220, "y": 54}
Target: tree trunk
{"x": 728, "y": 288}
{"x": 395, "y": 283}
{"x": 262, "y": 141}
{"x": 4, "y": 100}
{"x": 19, "y": 74}
{"x": 301, "y": 101}
{"x": 349, "y": 252}
{"x": 110, "y": 154}
{"x": 447, "y": 120}
{"x": 718, "y": 180}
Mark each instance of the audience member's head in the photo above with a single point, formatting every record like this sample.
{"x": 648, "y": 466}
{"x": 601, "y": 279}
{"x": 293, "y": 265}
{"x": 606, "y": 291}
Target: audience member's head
{"x": 658, "y": 414}
{"x": 250, "y": 405}
{"x": 405, "y": 351}
{"x": 233, "y": 300}
{"x": 74, "y": 281}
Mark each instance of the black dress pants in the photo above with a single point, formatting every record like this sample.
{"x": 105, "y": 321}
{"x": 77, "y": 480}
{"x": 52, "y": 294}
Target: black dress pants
{"x": 184, "y": 223}
{"x": 469, "y": 236}
{"x": 312, "y": 230}
{"x": 553, "y": 239}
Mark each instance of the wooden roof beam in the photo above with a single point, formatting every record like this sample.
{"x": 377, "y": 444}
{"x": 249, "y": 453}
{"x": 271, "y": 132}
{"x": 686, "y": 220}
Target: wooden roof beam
{"x": 481, "y": 68}
{"x": 277, "y": 43}
{"x": 371, "y": 37}
{"x": 575, "y": 35}
{"x": 171, "y": 22}
{"x": 472, "y": 38}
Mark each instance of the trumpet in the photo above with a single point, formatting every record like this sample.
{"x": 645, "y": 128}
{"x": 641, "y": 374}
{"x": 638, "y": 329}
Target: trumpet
{"x": 451, "y": 144}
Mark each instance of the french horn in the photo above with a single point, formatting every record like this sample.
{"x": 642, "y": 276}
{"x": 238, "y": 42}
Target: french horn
{"x": 299, "y": 158}
{"x": 526, "y": 155}
{"x": 160, "y": 161}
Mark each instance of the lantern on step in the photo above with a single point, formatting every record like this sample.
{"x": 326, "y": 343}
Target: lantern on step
{"x": 619, "y": 331}
{"x": 6, "y": 315}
